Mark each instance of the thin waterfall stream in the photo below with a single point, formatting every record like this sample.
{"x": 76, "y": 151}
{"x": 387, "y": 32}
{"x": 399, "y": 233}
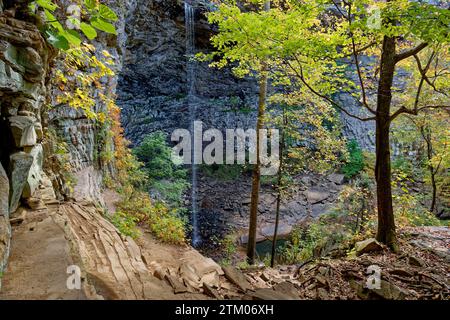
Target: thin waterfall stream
{"x": 190, "y": 73}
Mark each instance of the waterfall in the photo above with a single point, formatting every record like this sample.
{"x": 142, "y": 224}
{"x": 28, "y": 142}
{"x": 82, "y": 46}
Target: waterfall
{"x": 190, "y": 74}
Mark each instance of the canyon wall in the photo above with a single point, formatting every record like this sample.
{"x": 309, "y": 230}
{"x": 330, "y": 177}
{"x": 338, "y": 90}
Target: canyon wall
{"x": 24, "y": 57}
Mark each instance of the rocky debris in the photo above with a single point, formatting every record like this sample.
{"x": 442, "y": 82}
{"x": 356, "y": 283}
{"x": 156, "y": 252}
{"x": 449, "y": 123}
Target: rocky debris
{"x": 434, "y": 239}
{"x": 368, "y": 245}
{"x": 20, "y": 164}
{"x": 316, "y": 195}
{"x": 237, "y": 278}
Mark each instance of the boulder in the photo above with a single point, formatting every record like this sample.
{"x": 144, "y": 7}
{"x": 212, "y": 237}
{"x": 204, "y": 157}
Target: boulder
{"x": 22, "y": 129}
{"x": 337, "y": 178}
{"x": 237, "y": 278}
{"x": 20, "y": 164}
{"x": 316, "y": 196}
{"x": 35, "y": 174}
{"x": 387, "y": 291}
{"x": 284, "y": 230}
{"x": 189, "y": 276}
{"x": 368, "y": 245}
{"x": 287, "y": 288}
{"x": 200, "y": 264}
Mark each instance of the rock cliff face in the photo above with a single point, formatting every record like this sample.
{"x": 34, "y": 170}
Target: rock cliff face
{"x": 24, "y": 57}
{"x": 25, "y": 122}
{"x": 153, "y": 86}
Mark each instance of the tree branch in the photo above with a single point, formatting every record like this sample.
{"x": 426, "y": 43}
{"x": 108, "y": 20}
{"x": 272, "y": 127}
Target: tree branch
{"x": 324, "y": 97}
{"x": 406, "y": 54}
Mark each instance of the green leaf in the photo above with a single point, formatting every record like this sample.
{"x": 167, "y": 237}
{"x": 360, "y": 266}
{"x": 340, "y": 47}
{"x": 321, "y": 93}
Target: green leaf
{"x": 72, "y": 37}
{"x": 51, "y": 19}
{"x": 57, "y": 40}
{"x": 90, "y": 4}
{"x": 103, "y": 25}
{"x": 47, "y": 4}
{"x": 88, "y": 31}
{"x": 107, "y": 13}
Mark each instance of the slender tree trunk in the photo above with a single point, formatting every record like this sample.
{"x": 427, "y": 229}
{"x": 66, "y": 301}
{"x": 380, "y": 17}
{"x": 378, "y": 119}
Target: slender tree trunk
{"x": 279, "y": 187}
{"x": 256, "y": 176}
{"x": 386, "y": 225}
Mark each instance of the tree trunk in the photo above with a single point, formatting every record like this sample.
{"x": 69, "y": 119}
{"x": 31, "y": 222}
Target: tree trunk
{"x": 256, "y": 176}
{"x": 279, "y": 187}
{"x": 386, "y": 225}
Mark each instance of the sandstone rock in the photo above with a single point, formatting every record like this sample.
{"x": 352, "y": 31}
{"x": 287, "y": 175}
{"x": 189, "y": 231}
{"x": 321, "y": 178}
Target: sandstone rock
{"x": 316, "y": 196}
{"x": 35, "y": 174}
{"x": 200, "y": 264}
{"x": 20, "y": 164}
{"x": 178, "y": 287}
{"x": 22, "y": 129}
{"x": 189, "y": 276}
{"x": 368, "y": 245}
{"x": 237, "y": 278}
{"x": 287, "y": 288}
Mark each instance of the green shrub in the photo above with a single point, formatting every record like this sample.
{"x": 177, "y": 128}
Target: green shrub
{"x": 355, "y": 163}
{"x": 126, "y": 224}
{"x": 223, "y": 172}
{"x": 166, "y": 179}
